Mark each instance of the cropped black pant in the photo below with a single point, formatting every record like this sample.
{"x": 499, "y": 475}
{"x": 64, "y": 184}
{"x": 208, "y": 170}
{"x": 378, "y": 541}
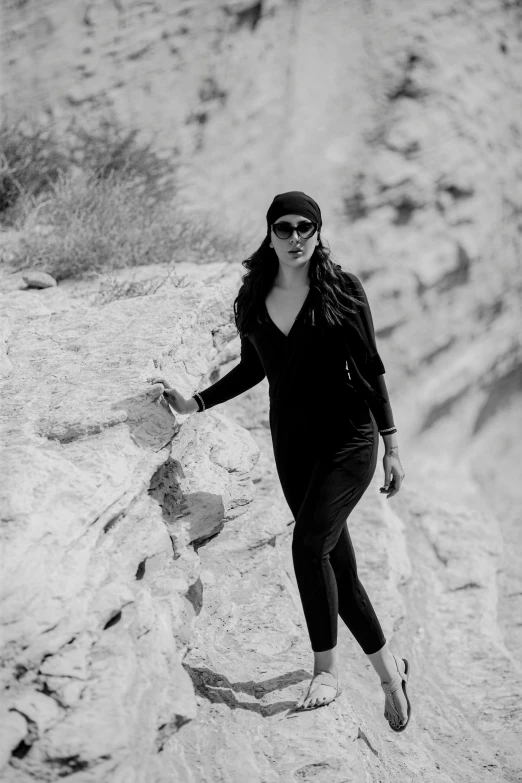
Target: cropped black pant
{"x": 324, "y": 471}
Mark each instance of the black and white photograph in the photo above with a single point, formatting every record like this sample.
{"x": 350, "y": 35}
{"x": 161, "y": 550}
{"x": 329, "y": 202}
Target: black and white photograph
{"x": 261, "y": 391}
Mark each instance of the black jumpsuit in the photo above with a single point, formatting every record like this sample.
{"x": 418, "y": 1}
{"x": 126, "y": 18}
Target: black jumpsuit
{"x": 325, "y": 438}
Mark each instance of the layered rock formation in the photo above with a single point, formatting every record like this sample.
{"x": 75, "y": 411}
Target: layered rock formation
{"x": 105, "y": 499}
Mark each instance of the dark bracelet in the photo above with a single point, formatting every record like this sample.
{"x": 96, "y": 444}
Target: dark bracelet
{"x": 200, "y": 401}
{"x": 388, "y": 431}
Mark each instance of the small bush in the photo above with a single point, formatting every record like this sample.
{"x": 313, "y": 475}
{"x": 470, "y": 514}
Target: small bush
{"x": 98, "y": 200}
{"x": 30, "y": 160}
{"x": 94, "y": 224}
{"x": 110, "y": 150}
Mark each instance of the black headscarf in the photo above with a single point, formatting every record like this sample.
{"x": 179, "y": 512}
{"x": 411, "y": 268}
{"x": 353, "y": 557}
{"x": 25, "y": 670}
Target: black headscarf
{"x": 294, "y": 202}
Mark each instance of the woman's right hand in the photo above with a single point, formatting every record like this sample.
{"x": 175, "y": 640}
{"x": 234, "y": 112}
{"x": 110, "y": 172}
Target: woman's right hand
{"x": 175, "y": 399}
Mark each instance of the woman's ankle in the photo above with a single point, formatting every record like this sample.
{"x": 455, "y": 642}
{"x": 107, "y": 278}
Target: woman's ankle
{"x": 383, "y": 662}
{"x": 326, "y": 661}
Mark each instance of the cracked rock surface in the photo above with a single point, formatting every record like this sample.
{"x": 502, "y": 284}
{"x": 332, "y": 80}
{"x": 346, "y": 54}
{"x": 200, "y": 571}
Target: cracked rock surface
{"x": 152, "y": 627}
{"x": 105, "y": 498}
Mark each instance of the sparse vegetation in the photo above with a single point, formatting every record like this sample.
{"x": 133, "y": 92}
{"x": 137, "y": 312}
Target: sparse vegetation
{"x": 112, "y": 151}
{"x": 112, "y": 288}
{"x": 98, "y": 201}
{"x": 95, "y": 224}
{"x": 33, "y": 158}
{"x": 29, "y": 161}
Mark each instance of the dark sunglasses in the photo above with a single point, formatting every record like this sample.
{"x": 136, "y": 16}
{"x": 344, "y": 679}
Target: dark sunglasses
{"x": 284, "y": 230}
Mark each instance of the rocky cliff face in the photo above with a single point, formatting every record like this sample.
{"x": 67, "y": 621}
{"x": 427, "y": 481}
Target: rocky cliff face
{"x": 102, "y": 516}
{"x": 402, "y": 107}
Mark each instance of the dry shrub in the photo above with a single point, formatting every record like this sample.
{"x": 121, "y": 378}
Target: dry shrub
{"x": 94, "y": 200}
{"x": 112, "y": 288}
{"x": 110, "y": 149}
{"x": 32, "y": 157}
{"x": 97, "y": 224}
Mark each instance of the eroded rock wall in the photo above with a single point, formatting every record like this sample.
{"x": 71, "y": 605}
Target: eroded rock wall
{"x": 105, "y": 501}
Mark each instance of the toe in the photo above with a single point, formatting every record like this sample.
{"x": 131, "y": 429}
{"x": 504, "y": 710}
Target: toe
{"x": 391, "y": 716}
{"x": 319, "y": 698}
{"x": 400, "y": 713}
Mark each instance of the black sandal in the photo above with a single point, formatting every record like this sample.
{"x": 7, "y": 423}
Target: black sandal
{"x": 393, "y": 685}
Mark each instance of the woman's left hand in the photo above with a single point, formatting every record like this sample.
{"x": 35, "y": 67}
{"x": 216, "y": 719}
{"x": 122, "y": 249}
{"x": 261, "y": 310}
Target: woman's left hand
{"x": 393, "y": 472}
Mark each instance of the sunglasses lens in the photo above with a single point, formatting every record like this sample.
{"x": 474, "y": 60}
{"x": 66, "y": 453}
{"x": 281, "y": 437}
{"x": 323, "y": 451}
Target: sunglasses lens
{"x": 306, "y": 230}
{"x": 283, "y": 230}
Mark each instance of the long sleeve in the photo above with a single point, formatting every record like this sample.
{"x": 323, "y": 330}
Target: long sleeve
{"x": 239, "y": 379}
{"x": 382, "y": 411}
{"x": 367, "y": 369}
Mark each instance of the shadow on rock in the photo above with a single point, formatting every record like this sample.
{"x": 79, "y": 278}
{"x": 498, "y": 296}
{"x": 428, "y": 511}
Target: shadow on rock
{"x": 218, "y": 689}
{"x": 150, "y": 424}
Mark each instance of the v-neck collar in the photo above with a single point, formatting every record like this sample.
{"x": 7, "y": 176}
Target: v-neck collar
{"x": 286, "y": 336}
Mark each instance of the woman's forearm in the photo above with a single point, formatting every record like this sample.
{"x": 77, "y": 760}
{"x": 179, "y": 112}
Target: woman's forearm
{"x": 239, "y": 379}
{"x": 390, "y": 442}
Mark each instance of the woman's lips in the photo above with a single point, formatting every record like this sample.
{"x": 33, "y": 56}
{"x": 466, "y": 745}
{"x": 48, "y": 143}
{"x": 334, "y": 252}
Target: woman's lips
{"x": 295, "y": 252}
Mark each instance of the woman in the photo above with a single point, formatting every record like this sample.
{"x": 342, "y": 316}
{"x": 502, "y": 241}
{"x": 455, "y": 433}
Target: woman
{"x": 306, "y": 325}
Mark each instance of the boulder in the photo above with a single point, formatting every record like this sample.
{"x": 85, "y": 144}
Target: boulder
{"x": 35, "y": 279}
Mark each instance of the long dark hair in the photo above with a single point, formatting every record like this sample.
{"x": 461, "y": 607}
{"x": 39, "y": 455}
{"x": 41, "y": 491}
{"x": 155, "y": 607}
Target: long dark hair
{"x": 329, "y": 300}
